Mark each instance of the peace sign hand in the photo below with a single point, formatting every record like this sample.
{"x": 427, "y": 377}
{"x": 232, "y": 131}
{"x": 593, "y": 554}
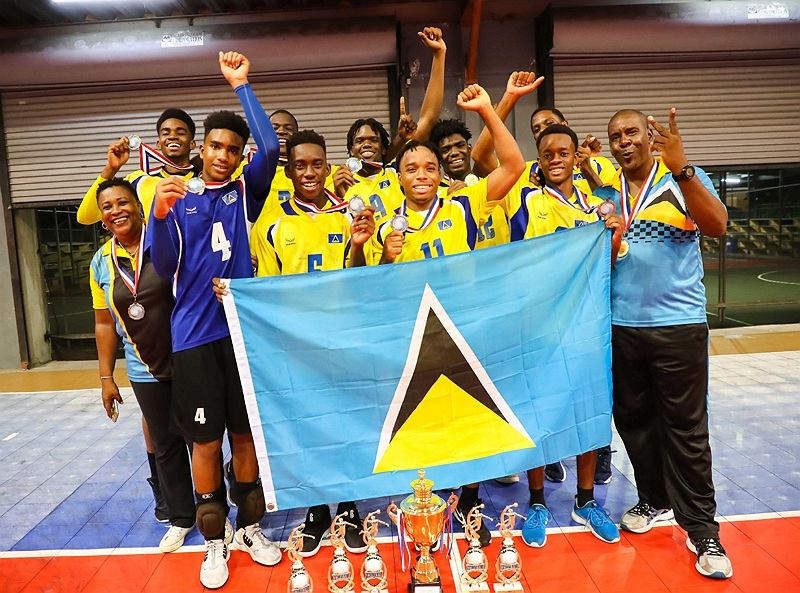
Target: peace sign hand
{"x": 668, "y": 142}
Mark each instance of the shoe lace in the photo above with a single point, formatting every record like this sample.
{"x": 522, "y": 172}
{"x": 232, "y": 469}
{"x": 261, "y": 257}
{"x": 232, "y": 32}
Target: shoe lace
{"x": 214, "y": 549}
{"x": 641, "y": 509}
{"x": 538, "y": 518}
{"x": 710, "y": 547}
{"x": 598, "y": 516}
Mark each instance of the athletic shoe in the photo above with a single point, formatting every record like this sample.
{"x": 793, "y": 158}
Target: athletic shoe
{"x": 534, "y": 530}
{"x": 642, "y": 517}
{"x": 317, "y": 526}
{"x": 162, "y": 510}
{"x": 602, "y": 471}
{"x": 228, "y": 532}
{"x": 227, "y": 469}
{"x": 597, "y": 520}
{"x": 253, "y": 541}
{"x": 353, "y": 540}
{"x": 712, "y": 561}
{"x": 214, "y": 570}
{"x": 509, "y": 479}
{"x": 460, "y": 514}
{"x": 555, "y": 472}
{"x": 173, "y": 538}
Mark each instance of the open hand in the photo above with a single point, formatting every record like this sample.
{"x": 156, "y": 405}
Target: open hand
{"x": 522, "y": 83}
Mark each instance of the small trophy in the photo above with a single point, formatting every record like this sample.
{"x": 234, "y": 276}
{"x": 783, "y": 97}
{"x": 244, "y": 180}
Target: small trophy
{"x": 508, "y": 567}
{"x": 299, "y": 579}
{"x": 475, "y": 563}
{"x": 341, "y": 575}
{"x": 373, "y": 570}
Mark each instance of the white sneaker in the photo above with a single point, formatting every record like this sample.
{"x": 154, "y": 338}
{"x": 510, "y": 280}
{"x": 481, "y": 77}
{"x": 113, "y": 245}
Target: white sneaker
{"x": 173, "y": 538}
{"x": 228, "y": 532}
{"x": 642, "y": 517}
{"x": 214, "y": 570}
{"x": 253, "y": 541}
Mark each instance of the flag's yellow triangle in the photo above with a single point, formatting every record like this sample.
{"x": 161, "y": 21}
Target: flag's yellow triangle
{"x": 449, "y": 426}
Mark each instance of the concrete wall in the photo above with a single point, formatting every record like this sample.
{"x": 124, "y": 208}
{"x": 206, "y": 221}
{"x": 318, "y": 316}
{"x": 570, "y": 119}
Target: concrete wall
{"x": 10, "y": 356}
{"x": 33, "y": 286}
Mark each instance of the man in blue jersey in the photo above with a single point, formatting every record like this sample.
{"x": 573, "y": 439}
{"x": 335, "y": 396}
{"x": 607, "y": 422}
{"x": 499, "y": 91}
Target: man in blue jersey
{"x": 659, "y": 331}
{"x": 196, "y": 236}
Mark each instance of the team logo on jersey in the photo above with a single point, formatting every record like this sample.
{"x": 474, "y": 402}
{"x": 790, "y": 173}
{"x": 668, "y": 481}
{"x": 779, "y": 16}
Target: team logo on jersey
{"x": 283, "y": 195}
{"x": 446, "y": 400}
{"x": 229, "y": 198}
{"x": 384, "y": 184}
{"x": 335, "y": 238}
{"x": 445, "y": 224}
{"x": 192, "y": 210}
{"x": 581, "y": 223}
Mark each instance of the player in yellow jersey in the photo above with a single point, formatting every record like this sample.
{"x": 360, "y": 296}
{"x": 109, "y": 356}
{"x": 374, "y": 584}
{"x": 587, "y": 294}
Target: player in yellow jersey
{"x": 368, "y": 141}
{"x": 560, "y": 205}
{"x": 175, "y": 129}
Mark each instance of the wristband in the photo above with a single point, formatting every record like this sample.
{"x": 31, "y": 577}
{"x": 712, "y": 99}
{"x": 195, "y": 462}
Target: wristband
{"x": 106, "y": 377}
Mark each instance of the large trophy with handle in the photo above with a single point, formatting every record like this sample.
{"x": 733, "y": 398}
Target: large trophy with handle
{"x": 421, "y": 517}
{"x": 475, "y": 564}
{"x": 374, "y": 575}
{"x": 299, "y": 579}
{"x": 508, "y": 567}
{"x": 341, "y": 575}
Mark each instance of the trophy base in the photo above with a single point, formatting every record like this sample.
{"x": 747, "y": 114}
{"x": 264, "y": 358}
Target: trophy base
{"x": 503, "y": 587}
{"x": 479, "y": 587}
{"x": 424, "y": 588}
{"x": 374, "y": 590}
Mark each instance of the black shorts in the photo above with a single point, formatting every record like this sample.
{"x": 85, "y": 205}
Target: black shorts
{"x": 207, "y": 393}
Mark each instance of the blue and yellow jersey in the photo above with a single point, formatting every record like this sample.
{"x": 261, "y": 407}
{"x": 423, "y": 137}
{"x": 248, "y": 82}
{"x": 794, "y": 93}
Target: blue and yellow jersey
{"x": 603, "y": 166}
{"x": 659, "y": 282}
{"x": 381, "y": 191}
{"x": 146, "y": 341}
{"x": 453, "y": 229}
{"x": 495, "y": 230}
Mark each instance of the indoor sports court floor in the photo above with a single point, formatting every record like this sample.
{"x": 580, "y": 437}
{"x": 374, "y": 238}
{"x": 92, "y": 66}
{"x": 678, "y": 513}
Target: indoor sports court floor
{"x": 76, "y": 513}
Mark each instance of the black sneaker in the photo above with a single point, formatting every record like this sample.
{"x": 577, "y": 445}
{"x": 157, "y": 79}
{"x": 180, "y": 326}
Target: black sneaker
{"x": 602, "y": 471}
{"x": 555, "y": 472}
{"x": 353, "y": 538}
{"x": 162, "y": 510}
{"x": 317, "y": 525}
{"x": 460, "y": 515}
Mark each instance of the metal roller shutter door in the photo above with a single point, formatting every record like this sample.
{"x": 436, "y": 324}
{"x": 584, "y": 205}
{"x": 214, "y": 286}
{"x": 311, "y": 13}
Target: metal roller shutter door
{"x": 728, "y": 113}
{"x": 56, "y": 144}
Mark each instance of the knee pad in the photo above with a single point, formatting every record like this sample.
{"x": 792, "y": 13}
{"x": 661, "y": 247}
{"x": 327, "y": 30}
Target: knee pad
{"x": 249, "y": 497}
{"x": 210, "y": 517}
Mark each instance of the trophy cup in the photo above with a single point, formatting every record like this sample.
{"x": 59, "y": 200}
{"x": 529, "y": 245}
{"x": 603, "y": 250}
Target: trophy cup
{"x": 299, "y": 579}
{"x": 475, "y": 564}
{"x": 508, "y": 567}
{"x": 421, "y": 517}
{"x": 373, "y": 570}
{"x": 341, "y": 575}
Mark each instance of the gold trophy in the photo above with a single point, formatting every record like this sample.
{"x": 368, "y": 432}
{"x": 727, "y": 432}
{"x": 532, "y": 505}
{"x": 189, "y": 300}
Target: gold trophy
{"x": 475, "y": 563}
{"x": 373, "y": 570}
{"x": 341, "y": 575}
{"x": 421, "y": 516}
{"x": 508, "y": 567}
{"x": 299, "y": 579}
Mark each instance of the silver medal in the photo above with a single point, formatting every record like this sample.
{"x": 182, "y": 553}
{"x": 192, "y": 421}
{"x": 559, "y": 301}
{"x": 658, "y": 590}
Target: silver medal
{"x": 134, "y": 141}
{"x": 356, "y": 205}
{"x": 196, "y": 185}
{"x": 354, "y": 164}
{"x": 607, "y": 208}
{"x": 136, "y": 311}
{"x": 399, "y": 223}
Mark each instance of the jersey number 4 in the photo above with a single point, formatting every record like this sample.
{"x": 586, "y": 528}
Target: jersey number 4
{"x": 219, "y": 242}
{"x": 200, "y": 415}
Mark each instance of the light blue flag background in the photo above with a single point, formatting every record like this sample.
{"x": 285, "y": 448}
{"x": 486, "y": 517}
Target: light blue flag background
{"x": 320, "y": 356}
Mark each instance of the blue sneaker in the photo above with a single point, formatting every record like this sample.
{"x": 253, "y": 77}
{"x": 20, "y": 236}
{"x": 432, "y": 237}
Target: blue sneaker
{"x": 597, "y": 520}
{"x": 534, "y": 531}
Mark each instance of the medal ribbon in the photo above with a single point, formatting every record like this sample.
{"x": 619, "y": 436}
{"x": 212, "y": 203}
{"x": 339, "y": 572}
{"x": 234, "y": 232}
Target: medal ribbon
{"x": 580, "y": 198}
{"x": 432, "y": 212}
{"x": 131, "y": 283}
{"x": 629, "y": 211}
{"x": 338, "y": 204}
{"x": 147, "y": 154}
{"x": 401, "y": 540}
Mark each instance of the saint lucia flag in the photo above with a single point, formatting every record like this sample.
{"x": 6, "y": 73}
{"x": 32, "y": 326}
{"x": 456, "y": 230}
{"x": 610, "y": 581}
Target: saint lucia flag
{"x": 471, "y": 366}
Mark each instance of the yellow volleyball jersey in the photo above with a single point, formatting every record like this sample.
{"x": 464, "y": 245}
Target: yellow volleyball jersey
{"x": 452, "y": 227}
{"x": 604, "y": 167}
{"x": 381, "y": 191}
{"x": 493, "y": 231}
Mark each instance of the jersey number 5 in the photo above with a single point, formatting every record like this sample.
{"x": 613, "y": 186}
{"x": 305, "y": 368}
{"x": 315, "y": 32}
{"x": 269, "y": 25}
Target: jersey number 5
{"x": 219, "y": 242}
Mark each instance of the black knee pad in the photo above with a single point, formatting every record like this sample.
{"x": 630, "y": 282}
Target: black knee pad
{"x": 249, "y": 497}
{"x": 210, "y": 519}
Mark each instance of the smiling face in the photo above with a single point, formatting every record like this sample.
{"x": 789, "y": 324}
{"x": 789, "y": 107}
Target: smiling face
{"x": 120, "y": 213}
{"x": 221, "y": 152}
{"x": 556, "y": 158}
{"x": 285, "y": 127}
{"x": 175, "y": 140}
{"x": 629, "y": 140}
{"x": 367, "y": 145}
{"x": 455, "y": 155}
{"x": 308, "y": 168}
{"x": 419, "y": 176}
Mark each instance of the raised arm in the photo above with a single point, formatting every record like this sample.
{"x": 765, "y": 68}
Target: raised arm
{"x": 511, "y": 162}
{"x": 519, "y": 84}
{"x": 434, "y": 94}
{"x": 705, "y": 208}
{"x": 117, "y": 155}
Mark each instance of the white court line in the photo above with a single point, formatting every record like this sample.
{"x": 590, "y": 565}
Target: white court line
{"x": 761, "y": 277}
{"x": 730, "y": 318}
{"x": 382, "y": 539}
{"x": 11, "y": 436}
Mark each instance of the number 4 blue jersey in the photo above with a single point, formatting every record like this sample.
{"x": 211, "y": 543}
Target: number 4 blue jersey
{"x": 207, "y": 235}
